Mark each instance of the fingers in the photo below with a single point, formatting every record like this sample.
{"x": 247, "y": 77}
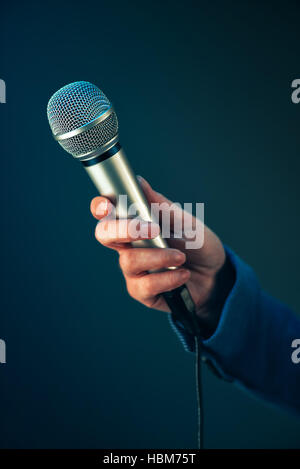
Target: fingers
{"x": 174, "y": 221}
{"x": 134, "y": 262}
{"x": 168, "y": 211}
{"x": 145, "y": 289}
{"x": 101, "y": 207}
{"x": 151, "y": 195}
{"x": 109, "y": 232}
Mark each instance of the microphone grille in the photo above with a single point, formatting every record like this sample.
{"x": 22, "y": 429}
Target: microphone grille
{"x": 76, "y": 105}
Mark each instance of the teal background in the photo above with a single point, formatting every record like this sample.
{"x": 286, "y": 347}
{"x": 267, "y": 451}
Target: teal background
{"x": 202, "y": 91}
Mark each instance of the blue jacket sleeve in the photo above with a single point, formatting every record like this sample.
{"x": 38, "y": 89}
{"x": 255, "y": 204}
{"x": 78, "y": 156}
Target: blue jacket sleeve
{"x": 252, "y": 344}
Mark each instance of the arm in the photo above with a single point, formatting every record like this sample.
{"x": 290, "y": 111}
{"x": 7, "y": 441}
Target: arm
{"x": 252, "y": 342}
{"x": 246, "y": 333}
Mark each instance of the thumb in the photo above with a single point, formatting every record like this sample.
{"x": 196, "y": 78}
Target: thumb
{"x": 151, "y": 195}
{"x": 167, "y": 209}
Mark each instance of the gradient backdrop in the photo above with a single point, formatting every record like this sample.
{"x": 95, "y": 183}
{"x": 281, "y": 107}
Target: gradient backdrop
{"x": 203, "y": 95}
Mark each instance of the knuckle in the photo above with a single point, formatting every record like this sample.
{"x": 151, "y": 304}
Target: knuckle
{"x": 97, "y": 232}
{"x": 170, "y": 278}
{"x": 103, "y": 231}
{"x": 146, "y": 287}
{"x": 126, "y": 261}
{"x": 168, "y": 256}
{"x": 132, "y": 291}
{"x": 100, "y": 231}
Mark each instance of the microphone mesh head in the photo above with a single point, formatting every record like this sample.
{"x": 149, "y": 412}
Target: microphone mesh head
{"x": 76, "y": 105}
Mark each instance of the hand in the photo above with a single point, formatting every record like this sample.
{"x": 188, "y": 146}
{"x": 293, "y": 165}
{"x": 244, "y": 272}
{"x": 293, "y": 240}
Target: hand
{"x": 198, "y": 268}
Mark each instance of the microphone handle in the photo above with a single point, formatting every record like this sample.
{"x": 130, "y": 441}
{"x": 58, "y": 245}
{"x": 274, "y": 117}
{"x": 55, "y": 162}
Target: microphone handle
{"x": 113, "y": 177}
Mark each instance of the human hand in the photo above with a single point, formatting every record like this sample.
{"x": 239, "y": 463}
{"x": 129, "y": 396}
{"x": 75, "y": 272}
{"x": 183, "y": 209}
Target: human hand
{"x": 198, "y": 268}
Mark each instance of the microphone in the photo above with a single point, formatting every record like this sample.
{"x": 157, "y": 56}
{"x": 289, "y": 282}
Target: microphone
{"x": 84, "y": 123}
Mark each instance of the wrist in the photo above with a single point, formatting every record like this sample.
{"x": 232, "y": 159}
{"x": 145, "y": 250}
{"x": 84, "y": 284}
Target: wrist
{"x": 209, "y": 313}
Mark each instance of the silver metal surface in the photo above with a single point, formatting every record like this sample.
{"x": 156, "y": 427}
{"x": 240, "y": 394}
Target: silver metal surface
{"x": 85, "y": 127}
{"x": 114, "y": 177}
{"x": 75, "y": 105}
{"x": 82, "y": 120}
{"x": 84, "y": 123}
{"x": 98, "y": 151}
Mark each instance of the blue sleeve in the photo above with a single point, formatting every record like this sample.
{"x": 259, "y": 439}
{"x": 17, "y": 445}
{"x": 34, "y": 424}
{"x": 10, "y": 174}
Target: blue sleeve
{"x": 252, "y": 344}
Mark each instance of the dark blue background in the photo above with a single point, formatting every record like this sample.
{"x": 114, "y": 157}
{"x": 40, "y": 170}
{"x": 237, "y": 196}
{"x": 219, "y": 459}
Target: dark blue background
{"x": 202, "y": 91}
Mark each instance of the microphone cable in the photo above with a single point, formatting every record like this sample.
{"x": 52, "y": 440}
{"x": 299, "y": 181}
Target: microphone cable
{"x": 199, "y": 390}
{"x": 183, "y": 309}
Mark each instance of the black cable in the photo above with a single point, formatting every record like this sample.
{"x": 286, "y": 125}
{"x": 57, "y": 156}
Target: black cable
{"x": 183, "y": 310}
{"x": 198, "y": 351}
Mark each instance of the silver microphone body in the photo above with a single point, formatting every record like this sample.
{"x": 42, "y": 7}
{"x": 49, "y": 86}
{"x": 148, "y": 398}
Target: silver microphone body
{"x": 85, "y": 124}
{"x": 113, "y": 178}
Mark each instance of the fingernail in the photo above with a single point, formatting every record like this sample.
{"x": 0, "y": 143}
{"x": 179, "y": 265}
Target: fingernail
{"x": 142, "y": 180}
{"x": 149, "y": 230}
{"x": 179, "y": 256}
{"x": 102, "y": 208}
{"x": 183, "y": 273}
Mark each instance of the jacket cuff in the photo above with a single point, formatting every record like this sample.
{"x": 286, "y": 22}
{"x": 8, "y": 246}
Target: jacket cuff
{"x": 224, "y": 346}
